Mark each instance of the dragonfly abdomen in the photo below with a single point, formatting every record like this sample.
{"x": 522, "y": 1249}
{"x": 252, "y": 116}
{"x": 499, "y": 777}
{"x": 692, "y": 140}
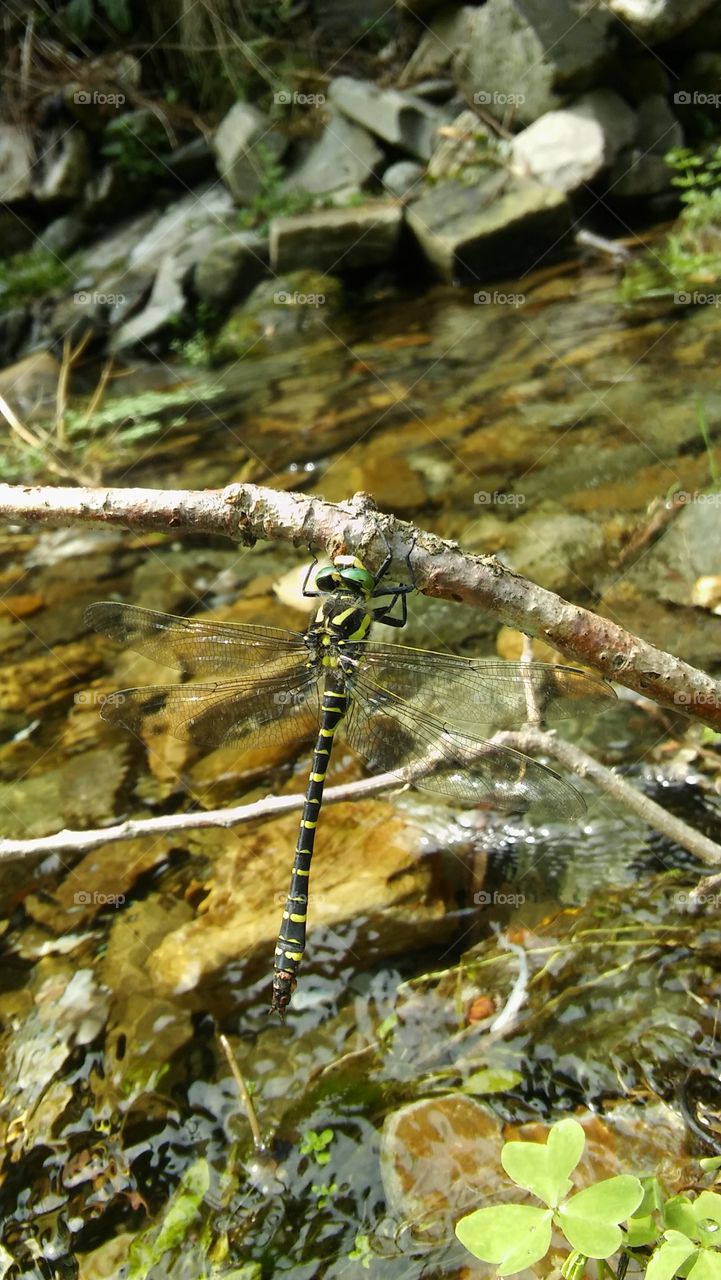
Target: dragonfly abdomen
{"x": 291, "y": 939}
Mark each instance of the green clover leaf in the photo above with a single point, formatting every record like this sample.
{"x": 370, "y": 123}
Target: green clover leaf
{"x": 589, "y": 1220}
{"x": 542, "y": 1169}
{"x": 513, "y": 1236}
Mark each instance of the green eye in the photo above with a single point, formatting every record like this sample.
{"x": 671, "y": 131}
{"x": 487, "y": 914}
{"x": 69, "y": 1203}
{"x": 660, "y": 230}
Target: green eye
{"x": 358, "y": 578}
{"x": 327, "y": 578}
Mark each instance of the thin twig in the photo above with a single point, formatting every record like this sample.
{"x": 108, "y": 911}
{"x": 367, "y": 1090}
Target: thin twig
{"x": 260, "y": 1147}
{"x": 70, "y": 357}
{"x": 170, "y": 824}
{"x": 36, "y": 441}
{"x": 99, "y": 393}
{"x": 579, "y": 762}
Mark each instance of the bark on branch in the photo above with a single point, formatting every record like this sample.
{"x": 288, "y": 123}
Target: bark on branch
{"x": 246, "y": 513}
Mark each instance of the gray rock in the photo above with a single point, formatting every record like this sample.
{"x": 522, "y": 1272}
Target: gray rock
{"x": 401, "y": 119}
{"x": 446, "y": 35}
{"x": 244, "y": 144}
{"x": 343, "y": 158}
{"x": 577, "y": 544}
{"x": 404, "y": 179}
{"x": 63, "y": 166}
{"x": 166, "y": 304}
{"x": 188, "y": 226}
{"x": 113, "y": 250}
{"x": 641, "y": 169}
{"x": 522, "y": 54}
{"x": 336, "y": 240}
{"x": 16, "y": 162}
{"x": 231, "y": 268}
{"x": 467, "y": 144}
{"x": 499, "y": 227}
{"x": 565, "y": 149}
{"x": 657, "y": 20}
{"x": 62, "y": 235}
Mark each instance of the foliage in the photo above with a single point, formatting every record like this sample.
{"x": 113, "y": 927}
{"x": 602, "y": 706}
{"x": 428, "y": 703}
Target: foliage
{"x": 271, "y": 200}
{"x": 133, "y": 141}
{"x": 662, "y": 1237}
{"x": 180, "y": 1219}
{"x": 30, "y": 274}
{"x": 690, "y": 256}
{"x": 316, "y": 1145}
{"x": 195, "y": 345}
{"x": 81, "y": 14}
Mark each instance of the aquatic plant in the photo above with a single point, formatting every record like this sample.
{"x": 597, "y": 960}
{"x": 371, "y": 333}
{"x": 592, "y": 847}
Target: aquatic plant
{"x": 662, "y": 1237}
{"x": 688, "y": 261}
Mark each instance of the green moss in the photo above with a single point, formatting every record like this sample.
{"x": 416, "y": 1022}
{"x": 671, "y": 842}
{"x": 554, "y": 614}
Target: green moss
{"x": 30, "y": 275}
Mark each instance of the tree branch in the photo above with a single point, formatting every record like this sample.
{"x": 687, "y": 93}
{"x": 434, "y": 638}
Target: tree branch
{"x": 246, "y": 513}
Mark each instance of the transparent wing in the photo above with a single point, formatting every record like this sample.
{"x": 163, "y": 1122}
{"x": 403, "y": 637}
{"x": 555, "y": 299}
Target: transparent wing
{"x": 273, "y": 712}
{"x": 483, "y": 695}
{"x": 392, "y": 737}
{"x": 195, "y": 647}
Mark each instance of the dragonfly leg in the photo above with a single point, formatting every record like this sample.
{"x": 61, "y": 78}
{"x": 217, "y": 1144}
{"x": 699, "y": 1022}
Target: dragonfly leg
{"x": 309, "y": 571}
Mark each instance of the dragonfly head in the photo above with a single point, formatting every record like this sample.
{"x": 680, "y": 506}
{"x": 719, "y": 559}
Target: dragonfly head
{"x": 347, "y": 573}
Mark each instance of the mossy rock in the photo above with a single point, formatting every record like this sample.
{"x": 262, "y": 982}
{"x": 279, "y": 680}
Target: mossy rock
{"x": 275, "y": 313}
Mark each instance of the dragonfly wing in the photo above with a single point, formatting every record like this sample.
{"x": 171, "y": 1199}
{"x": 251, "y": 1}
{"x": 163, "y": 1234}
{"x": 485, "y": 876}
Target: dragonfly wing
{"x": 195, "y": 647}
{"x": 391, "y": 736}
{"x": 484, "y": 695}
{"x": 272, "y": 713}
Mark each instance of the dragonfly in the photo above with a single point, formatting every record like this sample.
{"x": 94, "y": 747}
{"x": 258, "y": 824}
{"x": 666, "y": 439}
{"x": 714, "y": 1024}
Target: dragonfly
{"x": 415, "y": 714}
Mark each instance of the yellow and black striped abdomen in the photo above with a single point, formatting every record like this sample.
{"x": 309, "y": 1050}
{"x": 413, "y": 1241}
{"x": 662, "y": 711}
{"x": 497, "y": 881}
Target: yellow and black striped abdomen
{"x": 291, "y": 939}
